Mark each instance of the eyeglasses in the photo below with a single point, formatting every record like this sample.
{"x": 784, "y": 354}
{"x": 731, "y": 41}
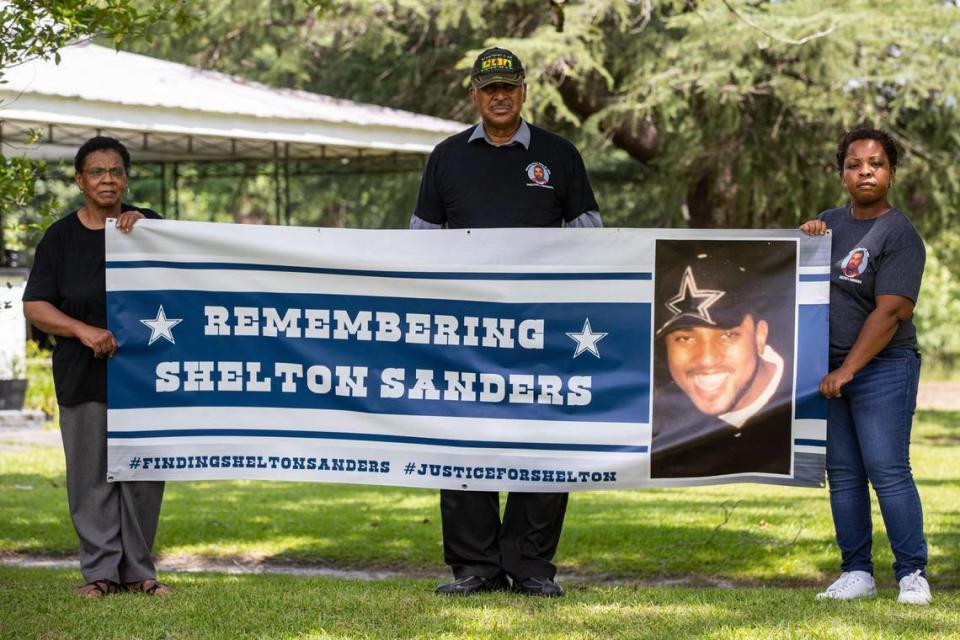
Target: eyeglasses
{"x": 99, "y": 172}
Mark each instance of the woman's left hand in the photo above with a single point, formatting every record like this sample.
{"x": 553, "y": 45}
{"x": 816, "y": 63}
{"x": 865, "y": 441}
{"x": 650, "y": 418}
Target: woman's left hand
{"x": 127, "y": 219}
{"x": 814, "y": 227}
{"x": 831, "y": 383}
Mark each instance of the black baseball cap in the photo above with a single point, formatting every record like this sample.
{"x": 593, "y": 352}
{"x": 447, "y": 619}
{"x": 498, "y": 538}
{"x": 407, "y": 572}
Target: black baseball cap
{"x": 496, "y": 65}
{"x": 711, "y": 287}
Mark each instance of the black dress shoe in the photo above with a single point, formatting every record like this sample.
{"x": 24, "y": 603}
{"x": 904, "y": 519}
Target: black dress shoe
{"x": 469, "y": 585}
{"x": 544, "y": 587}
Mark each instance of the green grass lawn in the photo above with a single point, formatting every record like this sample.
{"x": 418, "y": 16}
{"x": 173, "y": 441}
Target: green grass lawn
{"x": 37, "y": 603}
{"x": 753, "y": 536}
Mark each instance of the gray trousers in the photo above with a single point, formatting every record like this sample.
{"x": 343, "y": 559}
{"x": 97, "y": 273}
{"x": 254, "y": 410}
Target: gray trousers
{"x": 115, "y": 521}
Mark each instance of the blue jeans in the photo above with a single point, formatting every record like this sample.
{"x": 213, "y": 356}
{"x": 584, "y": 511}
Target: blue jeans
{"x": 868, "y": 438}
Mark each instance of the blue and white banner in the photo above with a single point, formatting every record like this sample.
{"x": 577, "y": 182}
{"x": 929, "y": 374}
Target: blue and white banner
{"x": 518, "y": 359}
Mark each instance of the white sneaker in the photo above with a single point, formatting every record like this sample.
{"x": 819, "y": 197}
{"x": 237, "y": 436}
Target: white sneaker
{"x": 914, "y": 589}
{"x": 850, "y": 586}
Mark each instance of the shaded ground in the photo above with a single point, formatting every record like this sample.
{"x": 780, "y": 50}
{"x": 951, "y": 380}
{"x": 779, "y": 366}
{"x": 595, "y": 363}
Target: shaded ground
{"x": 252, "y": 566}
{"x": 233, "y": 566}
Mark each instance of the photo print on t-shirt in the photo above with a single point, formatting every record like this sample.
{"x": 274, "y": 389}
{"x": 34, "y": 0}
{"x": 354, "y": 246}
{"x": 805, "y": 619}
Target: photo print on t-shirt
{"x": 854, "y": 263}
{"x": 539, "y": 175}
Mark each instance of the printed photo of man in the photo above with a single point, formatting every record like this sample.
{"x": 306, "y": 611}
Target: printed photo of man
{"x": 854, "y": 264}
{"x": 538, "y": 174}
{"x": 723, "y": 357}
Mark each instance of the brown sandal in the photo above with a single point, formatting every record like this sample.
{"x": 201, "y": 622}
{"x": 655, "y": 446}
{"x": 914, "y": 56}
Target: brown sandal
{"x": 97, "y": 589}
{"x": 150, "y": 587}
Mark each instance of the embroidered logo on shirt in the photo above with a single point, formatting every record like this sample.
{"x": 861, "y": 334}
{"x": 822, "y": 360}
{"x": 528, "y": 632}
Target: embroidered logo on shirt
{"x": 539, "y": 175}
{"x": 854, "y": 264}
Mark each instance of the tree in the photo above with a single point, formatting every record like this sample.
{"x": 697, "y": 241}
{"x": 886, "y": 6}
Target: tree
{"x": 745, "y": 100}
{"x": 689, "y": 112}
{"x": 39, "y": 29}
{"x": 702, "y": 113}
{"x": 707, "y": 114}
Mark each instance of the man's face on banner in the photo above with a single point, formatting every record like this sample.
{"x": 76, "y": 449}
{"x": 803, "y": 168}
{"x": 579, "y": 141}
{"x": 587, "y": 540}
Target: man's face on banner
{"x": 716, "y": 368}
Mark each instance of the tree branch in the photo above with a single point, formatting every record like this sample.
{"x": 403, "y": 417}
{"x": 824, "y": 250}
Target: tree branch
{"x": 635, "y": 134}
{"x": 754, "y": 25}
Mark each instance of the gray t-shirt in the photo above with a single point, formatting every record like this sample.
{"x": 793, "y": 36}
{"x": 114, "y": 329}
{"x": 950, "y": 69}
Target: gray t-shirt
{"x": 870, "y": 258}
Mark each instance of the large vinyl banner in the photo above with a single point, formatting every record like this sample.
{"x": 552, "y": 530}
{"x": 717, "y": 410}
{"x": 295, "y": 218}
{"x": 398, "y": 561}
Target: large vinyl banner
{"x": 519, "y": 359}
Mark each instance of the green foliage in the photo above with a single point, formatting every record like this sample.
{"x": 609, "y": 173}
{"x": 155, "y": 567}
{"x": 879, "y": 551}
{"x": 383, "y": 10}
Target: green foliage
{"x": 38, "y": 28}
{"x": 749, "y": 99}
{"x": 728, "y": 111}
{"x": 704, "y": 114}
{"x": 28, "y": 204}
{"x": 688, "y": 113}
{"x": 939, "y": 305}
{"x": 40, "y": 392}
{"x": 18, "y": 182}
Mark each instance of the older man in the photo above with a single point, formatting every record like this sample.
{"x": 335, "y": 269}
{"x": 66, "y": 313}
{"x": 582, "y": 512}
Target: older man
{"x": 503, "y": 172}
{"x": 722, "y": 401}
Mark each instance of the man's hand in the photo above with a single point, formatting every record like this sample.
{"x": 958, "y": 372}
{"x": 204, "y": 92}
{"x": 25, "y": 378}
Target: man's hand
{"x": 814, "y": 227}
{"x": 127, "y": 219}
{"x": 831, "y": 383}
{"x": 101, "y": 341}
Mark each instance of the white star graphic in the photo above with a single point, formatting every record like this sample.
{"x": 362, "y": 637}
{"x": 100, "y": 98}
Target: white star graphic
{"x": 160, "y": 327}
{"x": 696, "y": 302}
{"x": 587, "y": 340}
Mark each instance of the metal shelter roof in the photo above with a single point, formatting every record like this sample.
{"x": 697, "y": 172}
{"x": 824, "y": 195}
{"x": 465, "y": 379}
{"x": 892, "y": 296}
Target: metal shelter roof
{"x": 165, "y": 111}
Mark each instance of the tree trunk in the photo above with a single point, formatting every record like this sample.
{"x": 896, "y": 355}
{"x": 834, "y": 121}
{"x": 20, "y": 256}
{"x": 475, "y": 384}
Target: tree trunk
{"x": 635, "y": 134}
{"x": 711, "y": 199}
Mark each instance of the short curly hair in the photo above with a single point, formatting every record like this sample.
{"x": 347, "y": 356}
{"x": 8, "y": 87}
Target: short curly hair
{"x": 101, "y": 143}
{"x": 864, "y": 132}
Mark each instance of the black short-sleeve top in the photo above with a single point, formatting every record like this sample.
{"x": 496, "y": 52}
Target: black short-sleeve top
{"x": 69, "y": 273}
{"x": 474, "y": 184}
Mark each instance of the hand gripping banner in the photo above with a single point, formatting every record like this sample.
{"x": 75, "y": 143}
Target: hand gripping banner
{"x": 519, "y": 359}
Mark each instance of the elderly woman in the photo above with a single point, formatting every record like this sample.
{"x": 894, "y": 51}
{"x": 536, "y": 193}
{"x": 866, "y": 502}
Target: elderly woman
{"x": 877, "y": 264}
{"x": 66, "y": 296}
